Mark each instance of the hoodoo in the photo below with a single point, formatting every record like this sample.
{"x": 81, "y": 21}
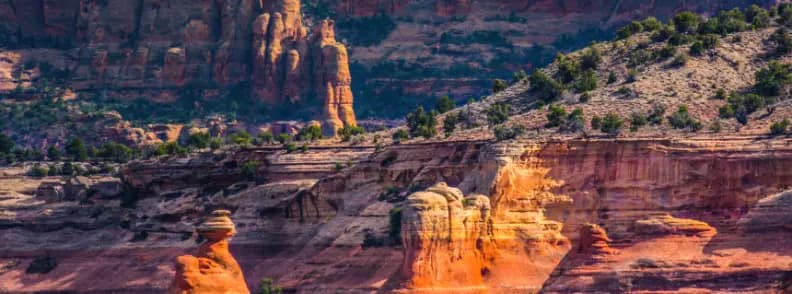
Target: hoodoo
{"x": 212, "y": 269}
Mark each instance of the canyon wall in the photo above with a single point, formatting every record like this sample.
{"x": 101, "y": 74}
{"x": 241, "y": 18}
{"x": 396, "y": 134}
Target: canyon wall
{"x": 416, "y": 50}
{"x": 557, "y": 216}
{"x": 164, "y": 51}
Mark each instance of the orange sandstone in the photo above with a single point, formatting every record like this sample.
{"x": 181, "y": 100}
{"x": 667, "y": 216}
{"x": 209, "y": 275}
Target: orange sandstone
{"x": 212, "y": 269}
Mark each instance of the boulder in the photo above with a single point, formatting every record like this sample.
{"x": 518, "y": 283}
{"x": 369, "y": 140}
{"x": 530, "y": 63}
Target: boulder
{"x": 669, "y": 225}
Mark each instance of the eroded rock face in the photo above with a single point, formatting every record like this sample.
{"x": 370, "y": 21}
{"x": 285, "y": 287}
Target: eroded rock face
{"x": 670, "y": 225}
{"x": 446, "y": 238}
{"x": 212, "y": 269}
{"x": 594, "y": 241}
{"x": 289, "y": 67}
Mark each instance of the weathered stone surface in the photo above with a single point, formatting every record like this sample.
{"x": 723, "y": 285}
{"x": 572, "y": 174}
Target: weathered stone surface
{"x": 594, "y": 241}
{"x": 670, "y": 225}
{"x": 212, "y": 269}
{"x": 289, "y": 67}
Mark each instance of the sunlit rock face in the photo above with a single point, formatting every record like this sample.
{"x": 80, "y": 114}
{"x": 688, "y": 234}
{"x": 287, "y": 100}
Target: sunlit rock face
{"x": 212, "y": 269}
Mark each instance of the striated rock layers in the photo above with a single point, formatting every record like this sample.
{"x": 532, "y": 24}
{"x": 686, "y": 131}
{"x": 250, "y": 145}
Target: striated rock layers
{"x": 446, "y": 238}
{"x": 289, "y": 66}
{"x": 162, "y": 51}
{"x": 212, "y": 269}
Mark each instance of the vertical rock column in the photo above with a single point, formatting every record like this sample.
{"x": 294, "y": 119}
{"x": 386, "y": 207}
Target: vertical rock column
{"x": 334, "y": 84}
{"x": 288, "y": 67}
{"x": 212, "y": 269}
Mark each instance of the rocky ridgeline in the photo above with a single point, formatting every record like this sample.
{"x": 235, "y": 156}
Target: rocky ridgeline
{"x": 157, "y": 50}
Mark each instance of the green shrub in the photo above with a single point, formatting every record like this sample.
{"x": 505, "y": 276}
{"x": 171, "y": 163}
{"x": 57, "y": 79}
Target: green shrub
{"x": 697, "y": 49}
{"x": 758, "y": 17}
{"x": 498, "y": 113}
{"x": 568, "y": 69}
{"x": 284, "y": 138}
{"x": 632, "y": 28}
{"x": 519, "y": 76}
{"x": 503, "y": 133}
{"x": 770, "y": 81}
{"x": 585, "y": 97}
{"x": 680, "y": 60}
{"x": 591, "y": 59}
{"x": 290, "y": 147}
{"x": 38, "y": 171}
{"x": 721, "y": 94}
{"x": 657, "y": 114}
{"x": 637, "y": 120}
{"x": 587, "y": 81}
{"x": 310, "y": 133}
{"x": 199, "y": 140}
{"x": 781, "y": 40}
{"x": 115, "y": 152}
{"x": 400, "y": 135}
{"x": 499, "y": 85}
{"x": 6, "y": 144}
{"x": 681, "y": 119}
{"x": 421, "y": 123}
{"x": 241, "y": 138}
{"x": 663, "y": 34}
{"x": 651, "y": 24}
{"x": 686, "y": 22}
{"x": 266, "y": 137}
{"x": 170, "y": 148}
{"x": 75, "y": 149}
{"x": 249, "y": 169}
{"x": 267, "y": 286}
{"x": 596, "y": 123}
{"x": 215, "y": 143}
{"x": 611, "y": 77}
{"x": 666, "y": 52}
{"x": 779, "y": 128}
{"x": 445, "y": 104}
{"x": 632, "y": 75}
{"x": 555, "y": 116}
{"x": 545, "y": 88}
{"x": 449, "y": 124}
{"x": 573, "y": 122}
{"x": 611, "y": 124}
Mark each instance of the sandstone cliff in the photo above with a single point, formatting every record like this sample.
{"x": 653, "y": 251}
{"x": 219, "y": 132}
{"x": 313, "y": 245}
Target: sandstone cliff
{"x": 164, "y": 52}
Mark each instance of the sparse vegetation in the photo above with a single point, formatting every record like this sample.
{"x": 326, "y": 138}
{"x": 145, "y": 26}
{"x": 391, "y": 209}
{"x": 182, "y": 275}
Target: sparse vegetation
{"x": 611, "y": 124}
{"x": 498, "y": 113}
{"x": 422, "y": 123}
{"x": 267, "y": 286}
{"x": 545, "y": 88}
{"x": 779, "y": 128}
{"x": 681, "y": 119}
{"x": 503, "y": 133}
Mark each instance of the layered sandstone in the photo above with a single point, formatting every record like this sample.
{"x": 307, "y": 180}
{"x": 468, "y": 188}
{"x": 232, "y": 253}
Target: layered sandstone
{"x": 331, "y": 227}
{"x": 160, "y": 51}
{"x": 212, "y": 269}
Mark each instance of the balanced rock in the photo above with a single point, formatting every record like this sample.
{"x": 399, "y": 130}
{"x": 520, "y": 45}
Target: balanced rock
{"x": 212, "y": 269}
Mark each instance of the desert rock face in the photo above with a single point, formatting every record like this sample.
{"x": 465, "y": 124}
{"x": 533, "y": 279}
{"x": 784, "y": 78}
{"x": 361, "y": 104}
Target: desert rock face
{"x": 157, "y": 50}
{"x": 212, "y": 269}
{"x": 556, "y": 216}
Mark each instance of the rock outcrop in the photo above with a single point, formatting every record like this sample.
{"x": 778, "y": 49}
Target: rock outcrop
{"x": 669, "y": 225}
{"x": 446, "y": 238}
{"x": 212, "y": 269}
{"x": 159, "y": 51}
{"x": 594, "y": 241}
{"x": 290, "y": 66}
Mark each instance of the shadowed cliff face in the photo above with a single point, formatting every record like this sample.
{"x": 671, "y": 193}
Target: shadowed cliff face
{"x": 164, "y": 51}
{"x": 655, "y": 215}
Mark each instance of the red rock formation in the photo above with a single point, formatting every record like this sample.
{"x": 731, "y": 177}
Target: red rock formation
{"x": 288, "y": 67}
{"x": 594, "y": 241}
{"x": 447, "y": 239}
{"x": 212, "y": 269}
